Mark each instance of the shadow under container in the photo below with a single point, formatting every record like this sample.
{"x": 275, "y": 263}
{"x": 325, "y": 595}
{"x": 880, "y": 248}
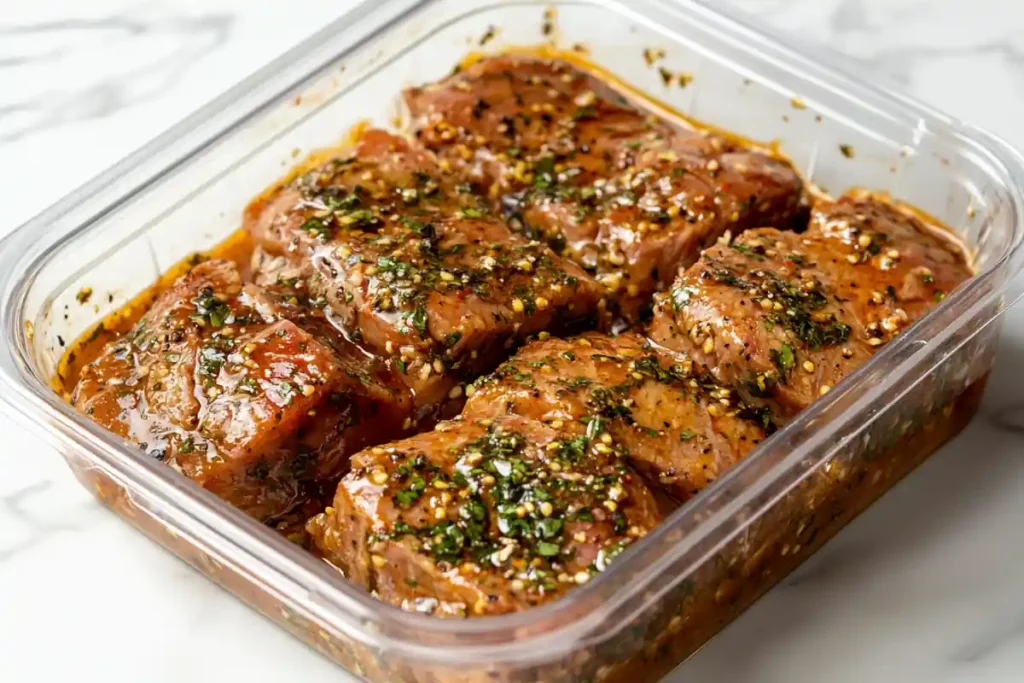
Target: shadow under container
{"x": 663, "y": 598}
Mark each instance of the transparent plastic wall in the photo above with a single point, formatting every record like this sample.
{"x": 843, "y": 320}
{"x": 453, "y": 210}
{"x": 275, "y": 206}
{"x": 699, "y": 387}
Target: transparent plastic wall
{"x": 712, "y": 557}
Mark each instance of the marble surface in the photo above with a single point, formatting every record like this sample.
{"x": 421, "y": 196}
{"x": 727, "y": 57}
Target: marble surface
{"x": 927, "y": 586}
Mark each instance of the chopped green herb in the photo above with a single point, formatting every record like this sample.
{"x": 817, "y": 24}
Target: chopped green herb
{"x": 681, "y": 296}
{"x": 784, "y": 358}
{"x": 389, "y": 266}
{"x": 549, "y": 527}
{"x": 544, "y": 172}
{"x": 418, "y": 319}
{"x": 572, "y": 449}
{"x": 595, "y": 426}
{"x": 411, "y": 223}
{"x": 412, "y": 492}
{"x": 547, "y": 549}
{"x": 316, "y": 228}
{"x": 747, "y": 250}
{"x": 248, "y": 386}
{"x": 210, "y": 310}
{"x": 211, "y": 360}
{"x": 584, "y": 113}
{"x": 577, "y": 383}
{"x": 360, "y": 218}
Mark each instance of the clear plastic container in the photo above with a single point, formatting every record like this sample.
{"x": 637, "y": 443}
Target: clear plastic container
{"x": 668, "y": 594}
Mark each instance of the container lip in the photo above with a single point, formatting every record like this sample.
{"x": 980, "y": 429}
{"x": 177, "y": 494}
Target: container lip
{"x": 340, "y": 604}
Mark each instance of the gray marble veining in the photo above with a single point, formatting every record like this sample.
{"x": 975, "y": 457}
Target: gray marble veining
{"x": 189, "y": 39}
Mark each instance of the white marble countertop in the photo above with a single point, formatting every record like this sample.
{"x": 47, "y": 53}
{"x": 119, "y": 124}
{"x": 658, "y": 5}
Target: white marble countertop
{"x": 927, "y": 586}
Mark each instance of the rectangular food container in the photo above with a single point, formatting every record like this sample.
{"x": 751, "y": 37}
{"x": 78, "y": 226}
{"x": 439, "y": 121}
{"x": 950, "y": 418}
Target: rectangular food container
{"x": 714, "y": 556}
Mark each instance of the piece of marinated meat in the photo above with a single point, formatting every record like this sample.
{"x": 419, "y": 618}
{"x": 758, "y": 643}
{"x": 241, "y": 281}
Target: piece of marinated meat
{"x": 380, "y": 177}
{"x": 903, "y": 267}
{"x": 784, "y": 317}
{"x": 496, "y": 120}
{"x": 677, "y": 428}
{"x": 482, "y": 517}
{"x": 238, "y": 398}
{"x": 626, "y": 195}
{"x": 438, "y": 289}
{"x": 760, "y": 315}
{"x": 448, "y": 299}
{"x": 381, "y": 400}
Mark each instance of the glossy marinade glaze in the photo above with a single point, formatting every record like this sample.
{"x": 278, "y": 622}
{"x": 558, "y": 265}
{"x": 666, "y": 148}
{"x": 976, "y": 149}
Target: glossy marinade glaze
{"x": 571, "y": 160}
{"x": 379, "y": 290}
{"x": 783, "y": 317}
{"x": 413, "y": 267}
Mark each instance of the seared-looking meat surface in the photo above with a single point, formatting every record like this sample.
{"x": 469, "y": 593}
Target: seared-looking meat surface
{"x": 236, "y": 396}
{"x": 483, "y": 516}
{"x": 438, "y": 289}
{"x": 676, "y": 427}
{"x": 784, "y": 317}
{"x": 627, "y": 196}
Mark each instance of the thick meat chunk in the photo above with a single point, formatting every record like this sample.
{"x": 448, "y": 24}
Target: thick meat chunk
{"x": 482, "y": 517}
{"x": 438, "y": 289}
{"x": 380, "y": 401}
{"x": 167, "y": 338}
{"x": 494, "y": 121}
{"x": 242, "y": 400}
{"x": 784, "y": 317}
{"x": 678, "y": 428}
{"x": 626, "y": 195}
{"x": 381, "y": 176}
{"x": 448, "y": 299}
{"x": 903, "y": 267}
{"x": 761, "y": 316}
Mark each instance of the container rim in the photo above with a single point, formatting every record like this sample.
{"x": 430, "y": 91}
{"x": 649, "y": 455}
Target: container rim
{"x": 296, "y": 575}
